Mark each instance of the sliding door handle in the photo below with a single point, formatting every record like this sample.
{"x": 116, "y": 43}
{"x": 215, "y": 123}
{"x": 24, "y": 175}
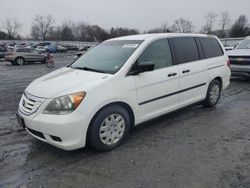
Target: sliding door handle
{"x": 172, "y": 74}
{"x": 185, "y": 71}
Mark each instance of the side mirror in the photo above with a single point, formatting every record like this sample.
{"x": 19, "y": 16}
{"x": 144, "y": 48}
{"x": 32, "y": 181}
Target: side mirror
{"x": 142, "y": 67}
{"x": 145, "y": 66}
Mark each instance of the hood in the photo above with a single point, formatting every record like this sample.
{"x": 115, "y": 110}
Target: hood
{"x": 64, "y": 81}
{"x": 239, "y": 52}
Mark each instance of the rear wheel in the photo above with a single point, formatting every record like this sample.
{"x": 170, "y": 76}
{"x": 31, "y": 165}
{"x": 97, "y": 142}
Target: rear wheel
{"x": 213, "y": 94}
{"x": 109, "y": 128}
{"x": 19, "y": 61}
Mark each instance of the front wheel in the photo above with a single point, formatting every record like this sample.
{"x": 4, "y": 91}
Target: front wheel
{"x": 213, "y": 94}
{"x": 109, "y": 128}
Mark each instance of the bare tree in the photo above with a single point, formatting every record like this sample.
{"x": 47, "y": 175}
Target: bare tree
{"x": 41, "y": 26}
{"x": 67, "y": 31}
{"x": 210, "y": 20}
{"x": 224, "y": 23}
{"x": 240, "y": 28}
{"x": 182, "y": 26}
{"x": 164, "y": 28}
{"x": 12, "y": 28}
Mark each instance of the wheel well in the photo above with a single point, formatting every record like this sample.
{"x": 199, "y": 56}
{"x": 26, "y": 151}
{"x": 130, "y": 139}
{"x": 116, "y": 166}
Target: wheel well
{"x": 123, "y": 104}
{"x": 219, "y": 79}
{"x": 19, "y": 57}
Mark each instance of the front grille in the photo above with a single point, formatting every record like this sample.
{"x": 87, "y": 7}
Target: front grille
{"x": 29, "y": 103}
{"x": 240, "y": 60}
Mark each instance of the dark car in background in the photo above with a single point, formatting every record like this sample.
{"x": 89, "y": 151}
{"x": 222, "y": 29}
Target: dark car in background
{"x": 2, "y": 52}
{"x": 71, "y": 47}
{"x": 21, "y": 56}
{"x": 240, "y": 59}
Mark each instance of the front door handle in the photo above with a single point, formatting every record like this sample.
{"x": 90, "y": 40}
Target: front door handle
{"x": 172, "y": 74}
{"x": 185, "y": 71}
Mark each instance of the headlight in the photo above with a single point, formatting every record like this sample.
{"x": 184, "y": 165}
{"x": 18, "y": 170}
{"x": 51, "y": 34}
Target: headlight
{"x": 64, "y": 104}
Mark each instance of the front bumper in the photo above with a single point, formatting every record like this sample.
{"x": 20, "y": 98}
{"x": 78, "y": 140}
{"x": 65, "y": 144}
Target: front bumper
{"x": 240, "y": 70}
{"x": 67, "y": 132}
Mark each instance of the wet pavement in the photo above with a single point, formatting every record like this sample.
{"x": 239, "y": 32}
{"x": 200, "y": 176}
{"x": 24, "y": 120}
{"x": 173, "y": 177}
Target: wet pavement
{"x": 194, "y": 147}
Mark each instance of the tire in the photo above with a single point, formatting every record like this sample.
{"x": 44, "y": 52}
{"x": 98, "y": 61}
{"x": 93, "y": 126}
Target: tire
{"x": 13, "y": 62}
{"x": 44, "y": 61}
{"x": 19, "y": 61}
{"x": 109, "y": 128}
{"x": 213, "y": 94}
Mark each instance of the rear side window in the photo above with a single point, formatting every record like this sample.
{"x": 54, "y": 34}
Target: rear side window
{"x": 26, "y": 50}
{"x": 185, "y": 49}
{"x": 211, "y": 47}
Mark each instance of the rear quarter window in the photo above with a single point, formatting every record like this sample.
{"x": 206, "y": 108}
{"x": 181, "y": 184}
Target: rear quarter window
{"x": 211, "y": 47}
{"x": 185, "y": 49}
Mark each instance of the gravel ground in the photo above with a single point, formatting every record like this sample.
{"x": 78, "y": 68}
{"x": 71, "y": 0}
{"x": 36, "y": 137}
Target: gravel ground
{"x": 194, "y": 147}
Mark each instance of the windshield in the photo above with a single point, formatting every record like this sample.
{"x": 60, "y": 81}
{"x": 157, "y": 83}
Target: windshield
{"x": 107, "y": 57}
{"x": 245, "y": 44}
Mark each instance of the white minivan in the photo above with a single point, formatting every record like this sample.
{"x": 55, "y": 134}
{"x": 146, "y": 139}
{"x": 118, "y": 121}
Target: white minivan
{"x": 121, "y": 83}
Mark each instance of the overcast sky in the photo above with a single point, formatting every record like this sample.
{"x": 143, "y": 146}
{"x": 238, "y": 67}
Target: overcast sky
{"x": 140, "y": 14}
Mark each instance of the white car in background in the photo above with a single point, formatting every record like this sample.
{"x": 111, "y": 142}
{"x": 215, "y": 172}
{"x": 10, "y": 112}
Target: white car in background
{"x": 121, "y": 83}
{"x": 240, "y": 59}
{"x": 41, "y": 49}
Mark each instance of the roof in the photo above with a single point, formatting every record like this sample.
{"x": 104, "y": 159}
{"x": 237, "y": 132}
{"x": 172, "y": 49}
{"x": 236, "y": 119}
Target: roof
{"x": 156, "y": 35}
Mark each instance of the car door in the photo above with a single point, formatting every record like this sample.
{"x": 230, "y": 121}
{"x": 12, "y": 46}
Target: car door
{"x": 192, "y": 68}
{"x": 27, "y": 54}
{"x": 157, "y": 90}
{"x": 37, "y": 56}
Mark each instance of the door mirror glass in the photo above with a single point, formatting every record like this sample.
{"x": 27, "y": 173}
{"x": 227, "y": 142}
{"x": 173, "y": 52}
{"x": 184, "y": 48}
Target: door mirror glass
{"x": 145, "y": 66}
{"x": 142, "y": 67}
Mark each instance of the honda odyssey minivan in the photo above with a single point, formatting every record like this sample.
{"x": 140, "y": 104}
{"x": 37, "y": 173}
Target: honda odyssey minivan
{"x": 121, "y": 83}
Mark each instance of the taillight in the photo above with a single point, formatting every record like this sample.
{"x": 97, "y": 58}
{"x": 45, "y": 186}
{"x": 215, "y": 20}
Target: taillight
{"x": 228, "y": 63}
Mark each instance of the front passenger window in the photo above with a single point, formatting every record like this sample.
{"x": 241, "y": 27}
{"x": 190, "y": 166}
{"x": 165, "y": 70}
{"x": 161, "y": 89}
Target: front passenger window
{"x": 158, "y": 53}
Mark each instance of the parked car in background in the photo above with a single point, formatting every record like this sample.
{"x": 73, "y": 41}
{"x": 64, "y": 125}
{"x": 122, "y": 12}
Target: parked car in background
{"x": 121, "y": 83}
{"x": 71, "y": 47}
{"x": 83, "y": 50}
{"x": 4, "y": 46}
{"x": 41, "y": 44}
{"x": 228, "y": 48}
{"x": 50, "y": 48}
{"x": 2, "y": 52}
{"x": 61, "y": 49}
{"x": 21, "y": 56}
{"x": 41, "y": 49}
{"x": 55, "y": 48}
{"x": 240, "y": 59}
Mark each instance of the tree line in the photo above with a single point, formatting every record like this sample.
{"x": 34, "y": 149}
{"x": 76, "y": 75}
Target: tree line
{"x": 44, "y": 28}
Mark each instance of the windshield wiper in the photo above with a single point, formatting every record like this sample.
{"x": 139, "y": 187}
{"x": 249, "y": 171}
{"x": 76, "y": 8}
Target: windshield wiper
{"x": 89, "y": 69}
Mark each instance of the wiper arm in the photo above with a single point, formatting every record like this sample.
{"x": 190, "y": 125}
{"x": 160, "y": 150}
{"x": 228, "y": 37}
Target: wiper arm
{"x": 89, "y": 69}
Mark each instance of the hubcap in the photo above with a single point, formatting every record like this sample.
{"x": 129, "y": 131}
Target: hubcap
{"x": 112, "y": 129}
{"x": 214, "y": 93}
{"x": 20, "y": 61}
